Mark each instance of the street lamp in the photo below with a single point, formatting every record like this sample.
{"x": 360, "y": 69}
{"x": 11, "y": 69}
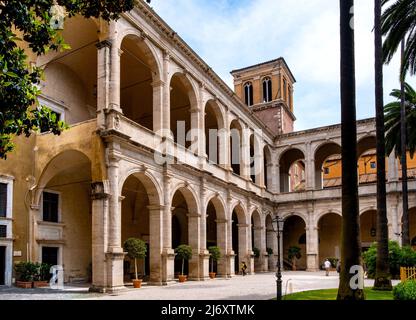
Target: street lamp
{"x": 277, "y": 223}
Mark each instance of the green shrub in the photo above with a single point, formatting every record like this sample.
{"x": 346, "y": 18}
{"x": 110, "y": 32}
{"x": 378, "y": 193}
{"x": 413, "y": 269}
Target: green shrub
{"x": 294, "y": 252}
{"x": 269, "y": 251}
{"x": 405, "y": 290}
{"x": 215, "y": 255}
{"x": 256, "y": 252}
{"x": 136, "y": 249}
{"x": 183, "y": 252}
{"x": 398, "y": 257}
{"x": 42, "y": 272}
{"x": 26, "y": 271}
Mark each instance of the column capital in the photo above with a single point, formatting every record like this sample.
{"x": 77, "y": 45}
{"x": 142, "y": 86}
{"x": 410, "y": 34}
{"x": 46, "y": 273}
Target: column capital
{"x": 104, "y": 44}
{"x": 35, "y": 207}
{"x": 243, "y": 225}
{"x": 194, "y": 215}
{"x": 98, "y": 191}
{"x": 221, "y": 220}
{"x": 158, "y": 83}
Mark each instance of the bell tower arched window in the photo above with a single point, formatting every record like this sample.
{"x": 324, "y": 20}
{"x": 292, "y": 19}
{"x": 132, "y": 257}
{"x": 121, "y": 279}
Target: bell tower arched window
{"x": 267, "y": 89}
{"x": 248, "y": 93}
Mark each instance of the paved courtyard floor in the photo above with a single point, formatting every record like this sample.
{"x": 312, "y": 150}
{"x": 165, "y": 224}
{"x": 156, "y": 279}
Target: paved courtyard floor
{"x": 252, "y": 287}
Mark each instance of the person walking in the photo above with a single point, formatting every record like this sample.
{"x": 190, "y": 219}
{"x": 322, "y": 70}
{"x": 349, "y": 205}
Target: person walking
{"x": 327, "y": 265}
{"x": 243, "y": 268}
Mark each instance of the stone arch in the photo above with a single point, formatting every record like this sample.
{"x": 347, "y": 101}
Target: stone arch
{"x": 329, "y": 235}
{"x": 150, "y": 183}
{"x": 139, "y": 73}
{"x": 289, "y": 158}
{"x": 189, "y": 195}
{"x": 183, "y": 103}
{"x": 59, "y": 162}
{"x": 235, "y": 146}
{"x": 368, "y": 226}
{"x": 240, "y": 236}
{"x": 150, "y": 52}
{"x": 267, "y": 167}
{"x": 214, "y": 129}
{"x": 367, "y": 159}
{"x": 324, "y": 213}
{"x": 219, "y": 205}
{"x": 294, "y": 234}
{"x": 327, "y": 156}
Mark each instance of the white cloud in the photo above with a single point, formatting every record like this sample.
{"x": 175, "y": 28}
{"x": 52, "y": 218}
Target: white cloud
{"x": 230, "y": 34}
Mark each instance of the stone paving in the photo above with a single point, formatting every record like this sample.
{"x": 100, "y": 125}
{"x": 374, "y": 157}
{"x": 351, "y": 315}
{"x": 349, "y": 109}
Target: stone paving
{"x": 252, "y": 287}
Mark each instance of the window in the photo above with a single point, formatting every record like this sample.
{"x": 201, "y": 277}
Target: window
{"x": 57, "y": 108}
{"x": 326, "y": 170}
{"x": 248, "y": 93}
{"x": 3, "y": 231}
{"x": 290, "y": 97}
{"x": 50, "y": 207}
{"x": 373, "y": 165}
{"x": 267, "y": 90}
{"x": 3, "y": 200}
{"x": 284, "y": 90}
{"x": 50, "y": 255}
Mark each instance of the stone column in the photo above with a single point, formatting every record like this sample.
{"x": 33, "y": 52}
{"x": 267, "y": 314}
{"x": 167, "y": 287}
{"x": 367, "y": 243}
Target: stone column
{"x": 231, "y": 255}
{"x": 100, "y": 201}
{"x": 245, "y": 153}
{"x": 114, "y": 93}
{"x": 115, "y": 254}
{"x": 224, "y": 152}
{"x": 260, "y": 243}
{"x": 244, "y": 252}
{"x": 166, "y": 97}
{"x": 276, "y": 178}
{"x": 203, "y": 252}
{"x": 272, "y": 241}
{"x": 195, "y": 134}
{"x": 312, "y": 248}
{"x": 103, "y": 80}
{"x": 156, "y": 244}
{"x": 194, "y": 240}
{"x": 259, "y": 164}
{"x": 393, "y": 168}
{"x": 168, "y": 255}
{"x": 158, "y": 114}
{"x": 310, "y": 168}
{"x": 393, "y": 217}
{"x": 222, "y": 235}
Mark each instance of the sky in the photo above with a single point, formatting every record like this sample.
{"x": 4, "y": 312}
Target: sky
{"x": 231, "y": 34}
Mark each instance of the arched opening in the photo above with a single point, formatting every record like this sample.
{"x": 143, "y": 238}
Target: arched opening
{"x": 239, "y": 237}
{"x": 180, "y": 234}
{"x": 294, "y": 236}
{"x": 330, "y": 227}
{"x": 235, "y": 146}
{"x": 216, "y": 231}
{"x": 292, "y": 171}
{"x": 328, "y": 166}
{"x": 135, "y": 224}
{"x": 137, "y": 70}
{"x": 367, "y": 160}
{"x": 267, "y": 89}
{"x": 70, "y": 86}
{"x": 256, "y": 239}
{"x": 368, "y": 228}
{"x": 182, "y": 102}
{"x": 253, "y": 168}
{"x": 248, "y": 93}
{"x": 213, "y": 123}
{"x": 271, "y": 243}
{"x": 267, "y": 167}
{"x": 65, "y": 198}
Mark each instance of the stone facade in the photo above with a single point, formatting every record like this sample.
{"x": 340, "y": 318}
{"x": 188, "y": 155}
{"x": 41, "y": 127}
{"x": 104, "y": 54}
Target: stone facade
{"x": 139, "y": 161}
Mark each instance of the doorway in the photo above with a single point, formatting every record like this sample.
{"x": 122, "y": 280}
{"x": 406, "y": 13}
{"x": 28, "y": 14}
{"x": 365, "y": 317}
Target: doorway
{"x": 50, "y": 255}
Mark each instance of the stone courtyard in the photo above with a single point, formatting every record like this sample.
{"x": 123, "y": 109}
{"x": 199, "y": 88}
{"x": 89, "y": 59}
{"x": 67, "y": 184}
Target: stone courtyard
{"x": 251, "y": 287}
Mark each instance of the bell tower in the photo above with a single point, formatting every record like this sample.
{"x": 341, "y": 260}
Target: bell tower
{"x": 267, "y": 89}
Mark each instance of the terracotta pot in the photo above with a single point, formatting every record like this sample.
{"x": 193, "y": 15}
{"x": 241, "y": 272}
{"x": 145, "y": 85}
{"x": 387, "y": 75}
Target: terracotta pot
{"x": 40, "y": 284}
{"x": 212, "y": 275}
{"x": 24, "y": 284}
{"x": 137, "y": 283}
{"x": 182, "y": 278}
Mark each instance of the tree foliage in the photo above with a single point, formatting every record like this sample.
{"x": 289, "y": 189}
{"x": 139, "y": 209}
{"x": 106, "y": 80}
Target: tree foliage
{"x": 399, "y": 23}
{"x": 392, "y": 121}
{"x": 20, "y": 112}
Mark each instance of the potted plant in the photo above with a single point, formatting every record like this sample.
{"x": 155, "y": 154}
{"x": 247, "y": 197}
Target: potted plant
{"x": 42, "y": 275}
{"x": 25, "y": 272}
{"x": 183, "y": 252}
{"x": 293, "y": 255}
{"x": 215, "y": 255}
{"x": 269, "y": 251}
{"x": 136, "y": 249}
{"x": 256, "y": 252}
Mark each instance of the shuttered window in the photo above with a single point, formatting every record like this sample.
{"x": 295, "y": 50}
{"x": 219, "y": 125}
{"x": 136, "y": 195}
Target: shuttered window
{"x": 3, "y": 199}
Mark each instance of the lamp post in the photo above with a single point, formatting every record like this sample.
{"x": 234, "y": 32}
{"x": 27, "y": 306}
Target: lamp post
{"x": 277, "y": 223}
